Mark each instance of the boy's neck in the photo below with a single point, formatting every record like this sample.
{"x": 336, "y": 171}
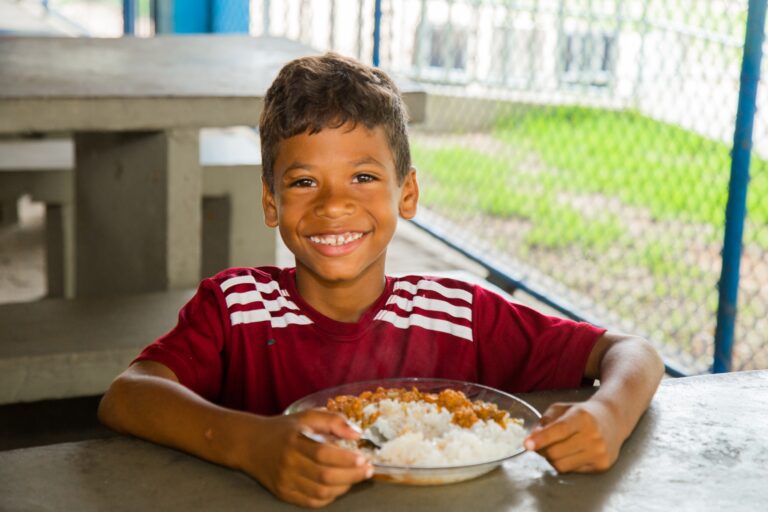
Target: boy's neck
{"x": 343, "y": 301}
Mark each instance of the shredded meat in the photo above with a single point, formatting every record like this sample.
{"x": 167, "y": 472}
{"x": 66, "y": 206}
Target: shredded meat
{"x": 465, "y": 412}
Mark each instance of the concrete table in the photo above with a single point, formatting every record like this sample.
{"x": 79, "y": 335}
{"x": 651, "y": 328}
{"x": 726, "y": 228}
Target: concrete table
{"x": 135, "y": 107}
{"x": 703, "y": 445}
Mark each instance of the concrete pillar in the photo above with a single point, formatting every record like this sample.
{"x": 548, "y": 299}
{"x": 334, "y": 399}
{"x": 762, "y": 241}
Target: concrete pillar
{"x": 9, "y": 212}
{"x": 138, "y": 220}
{"x": 54, "y": 253}
{"x": 216, "y": 233}
{"x": 60, "y": 249}
{"x": 251, "y": 242}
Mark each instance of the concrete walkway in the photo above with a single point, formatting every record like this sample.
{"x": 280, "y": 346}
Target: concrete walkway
{"x": 28, "y": 18}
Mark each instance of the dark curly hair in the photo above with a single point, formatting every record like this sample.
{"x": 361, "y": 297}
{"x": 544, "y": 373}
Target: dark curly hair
{"x": 328, "y": 91}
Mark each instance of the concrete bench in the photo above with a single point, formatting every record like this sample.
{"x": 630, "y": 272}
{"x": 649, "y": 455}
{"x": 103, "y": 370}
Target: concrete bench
{"x": 65, "y": 348}
{"x": 233, "y": 233}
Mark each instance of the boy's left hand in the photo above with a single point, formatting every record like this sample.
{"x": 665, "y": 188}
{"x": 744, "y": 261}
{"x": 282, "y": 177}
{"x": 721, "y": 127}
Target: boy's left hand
{"x": 580, "y": 437}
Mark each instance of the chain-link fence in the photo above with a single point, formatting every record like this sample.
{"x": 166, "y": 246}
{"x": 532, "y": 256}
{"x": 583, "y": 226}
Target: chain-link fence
{"x": 581, "y": 144}
{"x": 113, "y": 18}
{"x": 102, "y": 18}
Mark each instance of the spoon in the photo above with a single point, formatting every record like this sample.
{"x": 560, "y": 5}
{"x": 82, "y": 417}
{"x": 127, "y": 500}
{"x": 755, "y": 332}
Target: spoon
{"x": 373, "y": 436}
{"x": 370, "y": 435}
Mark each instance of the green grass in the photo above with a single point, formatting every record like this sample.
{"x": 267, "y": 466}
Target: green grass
{"x": 668, "y": 171}
{"x": 555, "y": 171}
{"x": 672, "y": 172}
{"x": 467, "y": 180}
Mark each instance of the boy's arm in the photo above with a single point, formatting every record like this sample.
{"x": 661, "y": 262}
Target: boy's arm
{"x": 587, "y": 436}
{"x": 148, "y": 401}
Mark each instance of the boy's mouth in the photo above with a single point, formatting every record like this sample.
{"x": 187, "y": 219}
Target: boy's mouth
{"x": 336, "y": 239}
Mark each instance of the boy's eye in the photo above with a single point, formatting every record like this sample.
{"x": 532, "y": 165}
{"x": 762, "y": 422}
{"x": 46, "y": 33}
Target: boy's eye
{"x": 303, "y": 182}
{"x": 364, "y": 178}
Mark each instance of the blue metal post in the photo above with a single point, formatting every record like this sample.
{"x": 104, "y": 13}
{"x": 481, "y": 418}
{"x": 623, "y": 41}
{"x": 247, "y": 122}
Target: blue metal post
{"x": 376, "y": 32}
{"x": 191, "y": 16}
{"x": 736, "y": 208}
{"x": 230, "y": 16}
{"x": 129, "y": 17}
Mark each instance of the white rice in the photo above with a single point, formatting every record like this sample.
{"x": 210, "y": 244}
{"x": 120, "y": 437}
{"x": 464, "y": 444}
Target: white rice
{"x": 420, "y": 434}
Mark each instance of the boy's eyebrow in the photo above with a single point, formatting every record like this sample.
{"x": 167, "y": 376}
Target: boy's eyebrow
{"x": 298, "y": 165}
{"x": 366, "y": 160}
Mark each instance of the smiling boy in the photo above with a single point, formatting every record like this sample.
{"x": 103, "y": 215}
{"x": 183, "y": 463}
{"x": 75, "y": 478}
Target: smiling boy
{"x": 337, "y": 175}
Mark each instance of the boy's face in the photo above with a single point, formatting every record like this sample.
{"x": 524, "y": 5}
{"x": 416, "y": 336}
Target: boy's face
{"x": 336, "y": 201}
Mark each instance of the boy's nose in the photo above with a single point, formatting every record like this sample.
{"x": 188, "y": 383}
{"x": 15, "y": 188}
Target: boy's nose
{"x": 334, "y": 203}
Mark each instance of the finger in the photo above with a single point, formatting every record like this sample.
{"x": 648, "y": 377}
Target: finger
{"x": 328, "y": 454}
{"x": 332, "y": 423}
{"x": 317, "y": 491}
{"x": 566, "y": 448}
{"x": 330, "y": 475}
{"x": 586, "y": 468}
{"x": 572, "y": 462}
{"x": 553, "y": 412}
{"x": 296, "y": 497}
{"x": 555, "y": 432}
{"x": 305, "y": 490}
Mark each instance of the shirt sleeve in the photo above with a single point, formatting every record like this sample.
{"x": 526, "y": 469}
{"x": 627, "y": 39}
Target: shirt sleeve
{"x": 193, "y": 349}
{"x": 522, "y": 350}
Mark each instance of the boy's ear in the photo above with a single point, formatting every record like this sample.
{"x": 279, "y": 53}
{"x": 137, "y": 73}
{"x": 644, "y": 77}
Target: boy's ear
{"x": 409, "y": 195}
{"x": 268, "y": 204}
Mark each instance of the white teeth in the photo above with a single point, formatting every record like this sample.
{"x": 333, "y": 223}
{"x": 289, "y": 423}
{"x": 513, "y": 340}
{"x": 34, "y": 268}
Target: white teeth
{"x": 341, "y": 239}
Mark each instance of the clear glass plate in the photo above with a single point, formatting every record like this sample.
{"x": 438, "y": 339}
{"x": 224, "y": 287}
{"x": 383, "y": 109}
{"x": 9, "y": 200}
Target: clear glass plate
{"x": 415, "y": 475}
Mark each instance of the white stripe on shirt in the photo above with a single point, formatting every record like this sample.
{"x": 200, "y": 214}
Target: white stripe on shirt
{"x": 249, "y": 317}
{"x": 262, "y": 287}
{"x": 431, "y": 305}
{"x": 425, "y": 284}
{"x": 432, "y": 324}
{"x": 232, "y": 281}
{"x": 262, "y": 315}
{"x": 254, "y": 296}
{"x": 290, "y": 318}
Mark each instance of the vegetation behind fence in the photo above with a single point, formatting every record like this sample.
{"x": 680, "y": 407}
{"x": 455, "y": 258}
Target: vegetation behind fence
{"x": 584, "y": 143}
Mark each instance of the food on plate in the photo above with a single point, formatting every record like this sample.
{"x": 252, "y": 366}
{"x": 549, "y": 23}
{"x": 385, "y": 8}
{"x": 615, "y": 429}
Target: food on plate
{"x": 421, "y": 429}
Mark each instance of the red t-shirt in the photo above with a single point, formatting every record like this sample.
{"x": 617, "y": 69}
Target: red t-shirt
{"x": 248, "y": 341}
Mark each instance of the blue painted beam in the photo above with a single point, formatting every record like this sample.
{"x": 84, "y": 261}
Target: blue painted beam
{"x": 230, "y": 16}
{"x": 736, "y": 209}
{"x": 207, "y": 16}
{"x": 191, "y": 16}
{"x": 376, "y": 33}
{"x": 129, "y": 17}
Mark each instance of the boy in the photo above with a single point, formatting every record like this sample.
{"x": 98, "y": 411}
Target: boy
{"x": 337, "y": 174}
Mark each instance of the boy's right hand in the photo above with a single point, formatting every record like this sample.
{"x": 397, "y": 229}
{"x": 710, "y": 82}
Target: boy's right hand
{"x": 299, "y": 470}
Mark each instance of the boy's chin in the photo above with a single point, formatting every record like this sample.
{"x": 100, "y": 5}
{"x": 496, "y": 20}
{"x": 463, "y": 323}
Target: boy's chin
{"x": 340, "y": 274}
